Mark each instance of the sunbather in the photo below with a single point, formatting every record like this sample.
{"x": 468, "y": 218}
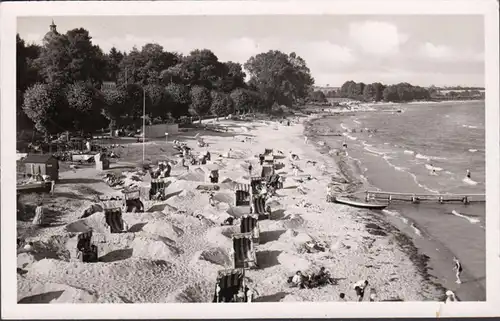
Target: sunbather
{"x": 298, "y": 280}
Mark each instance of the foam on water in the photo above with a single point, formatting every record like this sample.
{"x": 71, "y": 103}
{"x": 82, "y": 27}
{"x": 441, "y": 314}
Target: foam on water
{"x": 472, "y": 150}
{"x": 469, "y": 181}
{"x": 409, "y": 152}
{"x": 470, "y": 219}
{"x": 430, "y": 167}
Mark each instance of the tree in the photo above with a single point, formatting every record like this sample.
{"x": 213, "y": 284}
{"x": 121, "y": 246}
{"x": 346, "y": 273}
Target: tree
{"x": 200, "y": 101}
{"x": 279, "y": 78}
{"x": 71, "y": 57}
{"x": 221, "y": 104}
{"x": 317, "y": 96}
{"x": 347, "y": 88}
{"x": 146, "y": 66}
{"x": 391, "y": 94}
{"x": 84, "y": 106}
{"x": 39, "y": 105}
{"x": 156, "y": 101}
{"x": 233, "y": 77}
{"x": 245, "y": 100}
{"x": 179, "y": 99}
{"x": 114, "y": 104}
{"x": 113, "y": 60}
{"x": 369, "y": 92}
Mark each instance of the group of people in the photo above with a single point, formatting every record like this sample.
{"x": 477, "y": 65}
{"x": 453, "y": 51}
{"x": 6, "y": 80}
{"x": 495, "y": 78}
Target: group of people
{"x": 314, "y": 280}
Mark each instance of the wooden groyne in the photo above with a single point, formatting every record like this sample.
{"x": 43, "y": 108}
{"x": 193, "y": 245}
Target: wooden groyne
{"x": 417, "y": 198}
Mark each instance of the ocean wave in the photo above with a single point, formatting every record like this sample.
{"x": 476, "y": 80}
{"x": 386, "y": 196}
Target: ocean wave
{"x": 344, "y": 127}
{"x": 356, "y": 121}
{"x": 428, "y": 158}
{"x": 469, "y": 181}
{"x": 468, "y": 218}
{"x": 409, "y": 152}
{"x": 469, "y": 126}
{"x": 430, "y": 167}
{"x": 374, "y": 151}
{"x": 472, "y": 150}
{"x": 416, "y": 230}
{"x": 396, "y": 214}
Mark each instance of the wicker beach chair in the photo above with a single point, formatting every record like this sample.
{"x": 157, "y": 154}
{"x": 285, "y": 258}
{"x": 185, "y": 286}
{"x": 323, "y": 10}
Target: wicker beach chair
{"x": 258, "y": 206}
{"x": 244, "y": 255}
{"x": 227, "y": 285}
{"x": 86, "y": 251}
{"x": 250, "y": 224}
{"x": 242, "y": 194}
{"x": 114, "y": 220}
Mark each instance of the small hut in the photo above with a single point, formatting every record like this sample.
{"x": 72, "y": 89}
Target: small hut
{"x": 43, "y": 164}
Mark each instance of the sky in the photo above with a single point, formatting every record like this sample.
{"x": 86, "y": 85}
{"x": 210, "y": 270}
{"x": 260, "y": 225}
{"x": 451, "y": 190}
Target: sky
{"x": 441, "y": 50}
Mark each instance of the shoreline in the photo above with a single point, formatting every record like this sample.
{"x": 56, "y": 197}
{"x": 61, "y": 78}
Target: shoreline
{"x": 405, "y": 242}
{"x": 437, "y": 262}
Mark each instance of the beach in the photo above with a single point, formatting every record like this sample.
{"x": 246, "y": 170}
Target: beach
{"x": 173, "y": 251}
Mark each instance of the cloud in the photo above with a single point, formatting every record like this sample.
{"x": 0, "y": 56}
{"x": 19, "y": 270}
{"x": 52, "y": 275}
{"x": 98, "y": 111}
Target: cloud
{"x": 446, "y": 53}
{"x": 325, "y": 52}
{"x": 374, "y": 37}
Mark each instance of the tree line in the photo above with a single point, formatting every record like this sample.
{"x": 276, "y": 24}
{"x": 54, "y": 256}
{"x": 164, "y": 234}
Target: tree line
{"x": 69, "y": 83}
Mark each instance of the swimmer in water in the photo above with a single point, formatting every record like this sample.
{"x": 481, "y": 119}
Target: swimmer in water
{"x": 468, "y": 174}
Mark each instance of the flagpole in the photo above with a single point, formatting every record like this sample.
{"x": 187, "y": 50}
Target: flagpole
{"x": 143, "y": 124}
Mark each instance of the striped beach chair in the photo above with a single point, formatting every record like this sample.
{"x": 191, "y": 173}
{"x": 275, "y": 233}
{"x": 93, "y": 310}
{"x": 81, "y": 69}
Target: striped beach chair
{"x": 133, "y": 201}
{"x": 249, "y": 223}
{"x": 114, "y": 220}
{"x": 244, "y": 255}
{"x": 85, "y": 250}
{"x": 227, "y": 285}
{"x": 255, "y": 181}
{"x": 269, "y": 160}
{"x": 258, "y": 206}
{"x": 157, "y": 189}
{"x": 242, "y": 194}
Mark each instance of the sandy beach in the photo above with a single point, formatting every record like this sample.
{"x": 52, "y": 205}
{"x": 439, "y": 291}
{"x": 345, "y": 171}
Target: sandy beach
{"x": 170, "y": 255}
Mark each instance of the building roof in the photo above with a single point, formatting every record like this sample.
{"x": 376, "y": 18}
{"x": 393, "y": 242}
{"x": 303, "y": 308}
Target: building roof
{"x": 37, "y": 158}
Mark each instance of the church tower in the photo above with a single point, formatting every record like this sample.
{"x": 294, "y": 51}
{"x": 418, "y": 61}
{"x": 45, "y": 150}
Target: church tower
{"x": 51, "y": 34}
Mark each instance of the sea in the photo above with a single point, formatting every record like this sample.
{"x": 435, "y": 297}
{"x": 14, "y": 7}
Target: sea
{"x": 425, "y": 148}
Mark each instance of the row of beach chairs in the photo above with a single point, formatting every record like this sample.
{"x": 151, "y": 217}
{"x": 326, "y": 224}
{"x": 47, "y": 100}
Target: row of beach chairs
{"x": 230, "y": 281}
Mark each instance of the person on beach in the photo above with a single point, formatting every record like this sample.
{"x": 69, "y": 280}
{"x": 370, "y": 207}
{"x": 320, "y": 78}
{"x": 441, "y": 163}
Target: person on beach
{"x": 298, "y": 280}
{"x": 344, "y": 145}
{"x": 360, "y": 287}
{"x": 450, "y": 297}
{"x": 373, "y": 295}
{"x": 183, "y": 162}
{"x": 295, "y": 170}
{"x": 38, "y": 219}
{"x": 468, "y": 174}
{"x": 359, "y": 293}
{"x": 306, "y": 139}
{"x": 342, "y": 297}
{"x": 28, "y": 247}
{"x": 458, "y": 269}
{"x": 211, "y": 199}
{"x": 261, "y": 159}
{"x": 250, "y": 170}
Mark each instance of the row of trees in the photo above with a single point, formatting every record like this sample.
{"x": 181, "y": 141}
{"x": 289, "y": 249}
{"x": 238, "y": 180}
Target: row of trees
{"x": 402, "y": 92}
{"x": 68, "y": 83}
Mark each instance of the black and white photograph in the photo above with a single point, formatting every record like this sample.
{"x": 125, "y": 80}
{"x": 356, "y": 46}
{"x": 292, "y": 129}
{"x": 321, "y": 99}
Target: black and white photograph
{"x": 250, "y": 152}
